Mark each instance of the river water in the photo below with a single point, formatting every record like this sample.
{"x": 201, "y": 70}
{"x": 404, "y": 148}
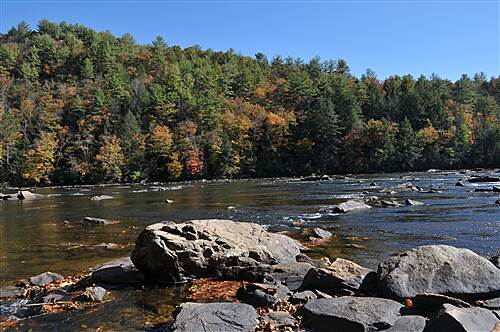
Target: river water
{"x": 35, "y": 237}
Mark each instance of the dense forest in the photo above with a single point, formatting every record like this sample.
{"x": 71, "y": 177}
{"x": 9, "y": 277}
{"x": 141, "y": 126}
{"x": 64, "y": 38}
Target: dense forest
{"x": 80, "y": 106}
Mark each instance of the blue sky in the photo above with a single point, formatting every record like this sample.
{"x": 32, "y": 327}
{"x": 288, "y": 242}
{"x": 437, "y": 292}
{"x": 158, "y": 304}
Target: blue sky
{"x": 391, "y": 37}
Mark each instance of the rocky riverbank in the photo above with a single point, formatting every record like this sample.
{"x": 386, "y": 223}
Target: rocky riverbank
{"x": 244, "y": 278}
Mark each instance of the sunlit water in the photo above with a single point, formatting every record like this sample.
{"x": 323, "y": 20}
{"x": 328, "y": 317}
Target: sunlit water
{"x": 34, "y": 237}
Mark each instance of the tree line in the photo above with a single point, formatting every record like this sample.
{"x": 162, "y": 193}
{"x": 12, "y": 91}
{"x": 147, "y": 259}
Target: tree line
{"x": 80, "y": 106}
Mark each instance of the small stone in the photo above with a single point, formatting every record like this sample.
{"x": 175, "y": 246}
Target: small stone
{"x": 278, "y": 319}
{"x": 303, "y": 297}
{"x": 93, "y": 294}
{"x": 321, "y": 233}
{"x": 169, "y": 201}
{"x": 45, "y": 278}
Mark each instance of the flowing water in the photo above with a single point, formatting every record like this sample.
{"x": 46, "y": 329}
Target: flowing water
{"x": 35, "y": 237}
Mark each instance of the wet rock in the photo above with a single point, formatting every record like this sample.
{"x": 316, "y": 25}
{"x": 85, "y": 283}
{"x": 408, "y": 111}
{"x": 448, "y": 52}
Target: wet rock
{"x": 438, "y": 269}
{"x": 45, "y": 278}
{"x": 118, "y": 272}
{"x": 100, "y": 197}
{"x": 350, "y": 206}
{"x": 206, "y": 247}
{"x": 351, "y": 314}
{"x": 492, "y": 304}
{"x": 278, "y": 319}
{"x": 411, "y": 202}
{"x": 28, "y": 195}
{"x": 373, "y": 184}
{"x": 497, "y": 202}
{"x": 460, "y": 184}
{"x": 451, "y": 318}
{"x": 10, "y": 292}
{"x": 321, "y": 233}
{"x": 93, "y": 294}
{"x": 480, "y": 179}
{"x": 432, "y": 302}
{"x": 410, "y": 323}
{"x": 303, "y": 297}
{"x": 213, "y": 317}
{"x": 315, "y": 178}
{"x": 169, "y": 201}
{"x": 341, "y": 274}
{"x": 91, "y": 221}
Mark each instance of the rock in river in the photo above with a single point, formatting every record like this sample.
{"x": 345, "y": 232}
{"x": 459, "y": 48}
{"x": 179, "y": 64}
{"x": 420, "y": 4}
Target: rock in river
{"x": 452, "y": 318}
{"x": 204, "y": 248}
{"x": 351, "y": 314}
{"x": 438, "y": 269}
{"x": 118, "y": 272}
{"x": 91, "y": 221}
{"x": 350, "y": 206}
{"x": 100, "y": 197}
{"x": 480, "y": 179}
{"x": 28, "y": 195}
{"x": 215, "y": 317}
{"x": 411, "y": 202}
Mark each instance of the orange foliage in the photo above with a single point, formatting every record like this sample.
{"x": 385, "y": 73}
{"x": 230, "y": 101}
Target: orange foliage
{"x": 209, "y": 289}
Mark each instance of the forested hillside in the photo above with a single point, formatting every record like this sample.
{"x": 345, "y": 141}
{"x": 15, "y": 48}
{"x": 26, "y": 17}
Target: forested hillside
{"x": 80, "y": 106}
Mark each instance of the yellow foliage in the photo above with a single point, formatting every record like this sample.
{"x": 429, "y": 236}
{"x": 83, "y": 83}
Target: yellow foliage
{"x": 40, "y": 159}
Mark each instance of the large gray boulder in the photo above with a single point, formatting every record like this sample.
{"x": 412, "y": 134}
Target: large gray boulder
{"x": 204, "y": 248}
{"x": 28, "y": 195}
{"x": 215, "y": 317}
{"x": 474, "y": 319}
{"x": 438, "y": 269}
{"x": 351, "y": 314}
{"x": 342, "y": 274}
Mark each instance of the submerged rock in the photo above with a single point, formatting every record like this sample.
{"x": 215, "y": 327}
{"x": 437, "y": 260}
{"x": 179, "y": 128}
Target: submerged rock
{"x": 91, "y": 221}
{"x": 438, "y": 269}
{"x": 452, "y": 318}
{"x": 349, "y": 206}
{"x": 315, "y": 178}
{"x": 480, "y": 179}
{"x": 100, "y": 197}
{"x": 45, "y": 278}
{"x": 351, "y": 314}
{"x": 214, "y": 317}
{"x": 170, "y": 253}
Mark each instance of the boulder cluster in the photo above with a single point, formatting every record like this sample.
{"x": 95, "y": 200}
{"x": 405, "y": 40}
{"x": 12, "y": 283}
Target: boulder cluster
{"x": 428, "y": 288}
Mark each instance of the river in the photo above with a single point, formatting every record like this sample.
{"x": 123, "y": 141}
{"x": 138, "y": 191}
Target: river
{"x": 35, "y": 237}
